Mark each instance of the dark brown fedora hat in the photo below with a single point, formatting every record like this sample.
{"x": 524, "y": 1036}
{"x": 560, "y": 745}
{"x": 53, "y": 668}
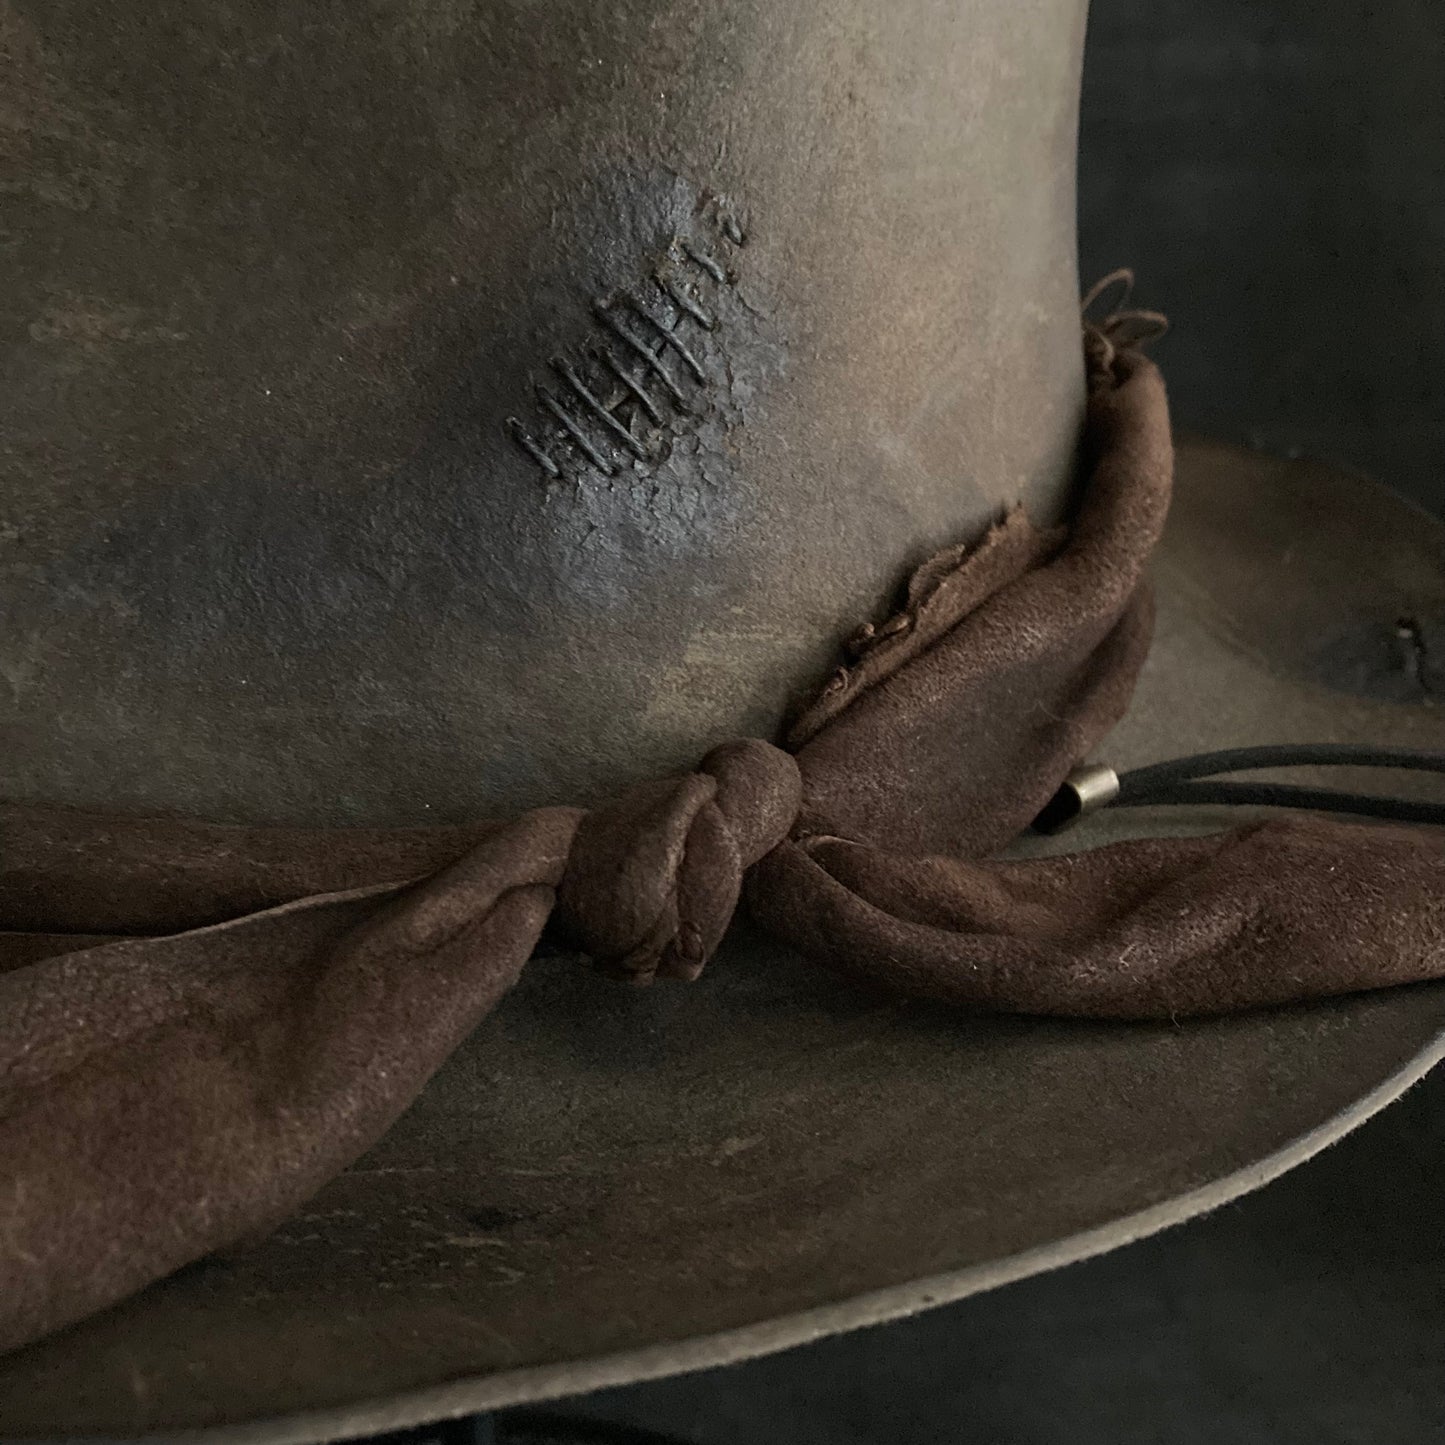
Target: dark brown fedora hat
{"x": 432, "y": 430}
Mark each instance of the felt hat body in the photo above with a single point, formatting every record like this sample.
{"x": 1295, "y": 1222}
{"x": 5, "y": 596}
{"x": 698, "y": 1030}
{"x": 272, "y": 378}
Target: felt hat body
{"x": 422, "y": 413}
{"x": 312, "y": 510}
{"x": 606, "y": 1185}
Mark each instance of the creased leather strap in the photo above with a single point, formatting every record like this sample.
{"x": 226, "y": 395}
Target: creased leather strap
{"x": 200, "y": 1025}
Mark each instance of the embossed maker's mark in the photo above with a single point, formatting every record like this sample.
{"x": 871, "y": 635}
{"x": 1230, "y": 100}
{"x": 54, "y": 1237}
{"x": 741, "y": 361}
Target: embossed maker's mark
{"x": 637, "y": 375}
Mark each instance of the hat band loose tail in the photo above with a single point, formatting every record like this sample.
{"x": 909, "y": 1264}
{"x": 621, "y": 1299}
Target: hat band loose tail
{"x": 201, "y": 1025}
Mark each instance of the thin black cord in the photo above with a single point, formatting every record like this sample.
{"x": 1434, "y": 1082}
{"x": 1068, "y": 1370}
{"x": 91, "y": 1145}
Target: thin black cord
{"x": 1285, "y": 755}
{"x": 1178, "y": 781}
{"x": 1282, "y": 795}
{"x": 1193, "y": 781}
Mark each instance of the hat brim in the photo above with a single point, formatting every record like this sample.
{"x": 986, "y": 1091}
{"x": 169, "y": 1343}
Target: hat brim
{"x": 607, "y": 1185}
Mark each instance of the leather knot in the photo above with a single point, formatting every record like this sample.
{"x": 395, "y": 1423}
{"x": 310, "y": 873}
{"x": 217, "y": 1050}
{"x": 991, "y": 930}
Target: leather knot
{"x": 652, "y": 880}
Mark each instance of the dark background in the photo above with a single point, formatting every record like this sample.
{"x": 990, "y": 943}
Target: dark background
{"x": 1275, "y": 173}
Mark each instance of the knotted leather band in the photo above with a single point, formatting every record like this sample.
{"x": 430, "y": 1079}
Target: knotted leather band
{"x": 200, "y": 1025}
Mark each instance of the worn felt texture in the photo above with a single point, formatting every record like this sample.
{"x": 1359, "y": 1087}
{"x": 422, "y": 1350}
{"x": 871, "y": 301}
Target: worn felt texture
{"x": 162, "y": 1097}
{"x": 280, "y": 278}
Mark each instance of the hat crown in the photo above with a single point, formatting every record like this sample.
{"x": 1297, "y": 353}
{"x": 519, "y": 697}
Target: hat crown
{"x": 460, "y": 407}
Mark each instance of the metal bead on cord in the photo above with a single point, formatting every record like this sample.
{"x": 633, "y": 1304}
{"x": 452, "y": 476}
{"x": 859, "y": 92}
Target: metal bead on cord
{"x": 1195, "y": 780}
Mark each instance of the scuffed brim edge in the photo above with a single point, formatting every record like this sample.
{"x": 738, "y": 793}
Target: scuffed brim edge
{"x": 535, "y": 1383}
